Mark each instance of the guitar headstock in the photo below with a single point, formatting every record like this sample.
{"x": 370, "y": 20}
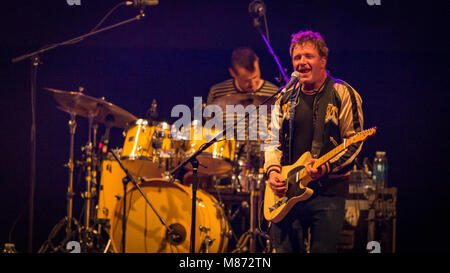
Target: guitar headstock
{"x": 362, "y": 135}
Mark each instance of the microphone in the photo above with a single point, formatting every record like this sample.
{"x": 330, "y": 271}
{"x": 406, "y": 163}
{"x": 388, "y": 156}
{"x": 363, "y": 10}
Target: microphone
{"x": 294, "y": 78}
{"x": 244, "y": 205}
{"x": 142, "y": 3}
{"x": 152, "y": 112}
{"x": 257, "y": 8}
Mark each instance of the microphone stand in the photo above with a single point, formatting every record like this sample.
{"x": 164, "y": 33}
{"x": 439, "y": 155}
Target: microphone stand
{"x": 35, "y": 61}
{"x": 257, "y": 25}
{"x": 194, "y": 162}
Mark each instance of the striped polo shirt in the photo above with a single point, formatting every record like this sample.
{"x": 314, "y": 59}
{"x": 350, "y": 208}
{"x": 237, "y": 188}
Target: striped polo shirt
{"x": 228, "y": 87}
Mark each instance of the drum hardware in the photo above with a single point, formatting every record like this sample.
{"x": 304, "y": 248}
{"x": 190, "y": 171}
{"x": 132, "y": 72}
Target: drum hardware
{"x": 108, "y": 245}
{"x": 206, "y": 244}
{"x": 88, "y": 235}
{"x": 250, "y": 237}
{"x": 96, "y": 111}
{"x": 83, "y": 105}
{"x": 254, "y": 181}
{"x": 126, "y": 180}
{"x": 70, "y": 165}
{"x": 90, "y": 173}
{"x": 176, "y": 234}
{"x": 242, "y": 99}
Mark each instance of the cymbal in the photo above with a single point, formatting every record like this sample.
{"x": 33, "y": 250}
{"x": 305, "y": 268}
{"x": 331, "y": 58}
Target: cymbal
{"x": 241, "y": 99}
{"x": 99, "y": 109}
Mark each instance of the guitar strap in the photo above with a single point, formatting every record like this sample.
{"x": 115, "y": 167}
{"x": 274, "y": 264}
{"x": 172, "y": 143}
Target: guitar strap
{"x": 293, "y": 103}
{"x": 319, "y": 113}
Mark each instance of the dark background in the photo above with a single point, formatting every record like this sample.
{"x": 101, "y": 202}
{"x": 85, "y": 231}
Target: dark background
{"x": 395, "y": 55}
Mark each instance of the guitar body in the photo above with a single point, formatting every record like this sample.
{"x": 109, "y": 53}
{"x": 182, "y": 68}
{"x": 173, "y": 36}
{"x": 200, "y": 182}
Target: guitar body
{"x": 276, "y": 208}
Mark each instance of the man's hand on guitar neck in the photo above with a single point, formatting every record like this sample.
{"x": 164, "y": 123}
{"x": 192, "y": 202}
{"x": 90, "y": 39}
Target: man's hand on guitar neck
{"x": 313, "y": 172}
{"x": 277, "y": 183}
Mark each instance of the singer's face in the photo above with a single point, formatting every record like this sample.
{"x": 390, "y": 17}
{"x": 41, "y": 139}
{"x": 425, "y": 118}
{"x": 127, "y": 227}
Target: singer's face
{"x": 307, "y": 61}
{"x": 245, "y": 80}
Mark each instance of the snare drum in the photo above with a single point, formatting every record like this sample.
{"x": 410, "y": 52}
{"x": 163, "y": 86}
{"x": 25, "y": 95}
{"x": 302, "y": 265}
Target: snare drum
{"x": 146, "y": 234}
{"x": 218, "y": 157}
{"x": 149, "y": 151}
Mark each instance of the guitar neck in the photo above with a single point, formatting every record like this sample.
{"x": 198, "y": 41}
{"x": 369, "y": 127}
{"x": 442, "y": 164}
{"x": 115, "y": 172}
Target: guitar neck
{"x": 328, "y": 156}
{"x": 361, "y": 136}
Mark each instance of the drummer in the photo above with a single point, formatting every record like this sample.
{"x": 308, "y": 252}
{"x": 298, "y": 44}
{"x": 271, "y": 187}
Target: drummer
{"x": 245, "y": 77}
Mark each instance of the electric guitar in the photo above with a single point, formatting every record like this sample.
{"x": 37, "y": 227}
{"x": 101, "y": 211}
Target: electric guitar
{"x": 276, "y": 208}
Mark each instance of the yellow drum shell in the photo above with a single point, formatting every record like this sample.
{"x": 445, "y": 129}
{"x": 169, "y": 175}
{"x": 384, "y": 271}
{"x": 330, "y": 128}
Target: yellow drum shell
{"x": 148, "y": 151}
{"x": 146, "y": 234}
{"x": 218, "y": 157}
{"x": 111, "y": 188}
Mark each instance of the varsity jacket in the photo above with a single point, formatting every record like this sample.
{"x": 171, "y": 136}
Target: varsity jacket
{"x": 337, "y": 114}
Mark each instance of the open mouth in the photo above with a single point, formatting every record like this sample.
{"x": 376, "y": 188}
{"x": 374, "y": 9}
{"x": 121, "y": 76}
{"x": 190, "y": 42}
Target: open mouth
{"x": 304, "y": 70}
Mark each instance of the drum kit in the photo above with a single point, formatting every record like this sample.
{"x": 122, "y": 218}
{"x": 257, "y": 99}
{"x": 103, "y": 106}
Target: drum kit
{"x": 153, "y": 214}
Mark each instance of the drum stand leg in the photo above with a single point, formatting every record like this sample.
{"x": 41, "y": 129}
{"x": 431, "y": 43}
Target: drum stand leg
{"x": 68, "y": 219}
{"x": 87, "y": 232}
{"x": 125, "y": 181}
{"x": 251, "y": 235}
{"x": 107, "y": 246}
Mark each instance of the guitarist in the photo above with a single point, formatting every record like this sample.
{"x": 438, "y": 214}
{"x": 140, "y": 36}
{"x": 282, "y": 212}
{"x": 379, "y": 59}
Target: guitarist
{"x": 314, "y": 116}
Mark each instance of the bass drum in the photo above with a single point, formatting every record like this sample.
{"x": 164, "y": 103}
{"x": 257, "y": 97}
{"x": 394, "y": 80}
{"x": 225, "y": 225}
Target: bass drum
{"x": 146, "y": 234}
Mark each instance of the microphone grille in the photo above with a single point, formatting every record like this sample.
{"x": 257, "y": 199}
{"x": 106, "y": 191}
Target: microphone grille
{"x": 295, "y": 74}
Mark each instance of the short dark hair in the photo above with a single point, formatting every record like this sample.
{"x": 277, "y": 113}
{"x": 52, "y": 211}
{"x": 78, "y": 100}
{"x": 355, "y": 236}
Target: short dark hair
{"x": 244, "y": 57}
{"x": 302, "y": 37}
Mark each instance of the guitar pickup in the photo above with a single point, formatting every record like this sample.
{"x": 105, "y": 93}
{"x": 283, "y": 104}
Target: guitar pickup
{"x": 278, "y": 204}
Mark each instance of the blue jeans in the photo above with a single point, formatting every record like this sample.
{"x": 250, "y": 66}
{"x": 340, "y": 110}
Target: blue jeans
{"x": 324, "y": 215}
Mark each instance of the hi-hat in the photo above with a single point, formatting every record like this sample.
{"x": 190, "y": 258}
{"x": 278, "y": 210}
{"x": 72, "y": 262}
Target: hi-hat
{"x": 241, "y": 99}
{"x": 100, "y": 110}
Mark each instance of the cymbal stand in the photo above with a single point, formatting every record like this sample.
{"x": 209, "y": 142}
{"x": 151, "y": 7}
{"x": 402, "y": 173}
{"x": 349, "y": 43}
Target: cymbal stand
{"x": 70, "y": 166}
{"x": 254, "y": 183}
{"x": 68, "y": 219}
{"x": 87, "y": 195}
{"x": 251, "y": 235}
{"x": 88, "y": 232}
{"x": 94, "y": 171}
